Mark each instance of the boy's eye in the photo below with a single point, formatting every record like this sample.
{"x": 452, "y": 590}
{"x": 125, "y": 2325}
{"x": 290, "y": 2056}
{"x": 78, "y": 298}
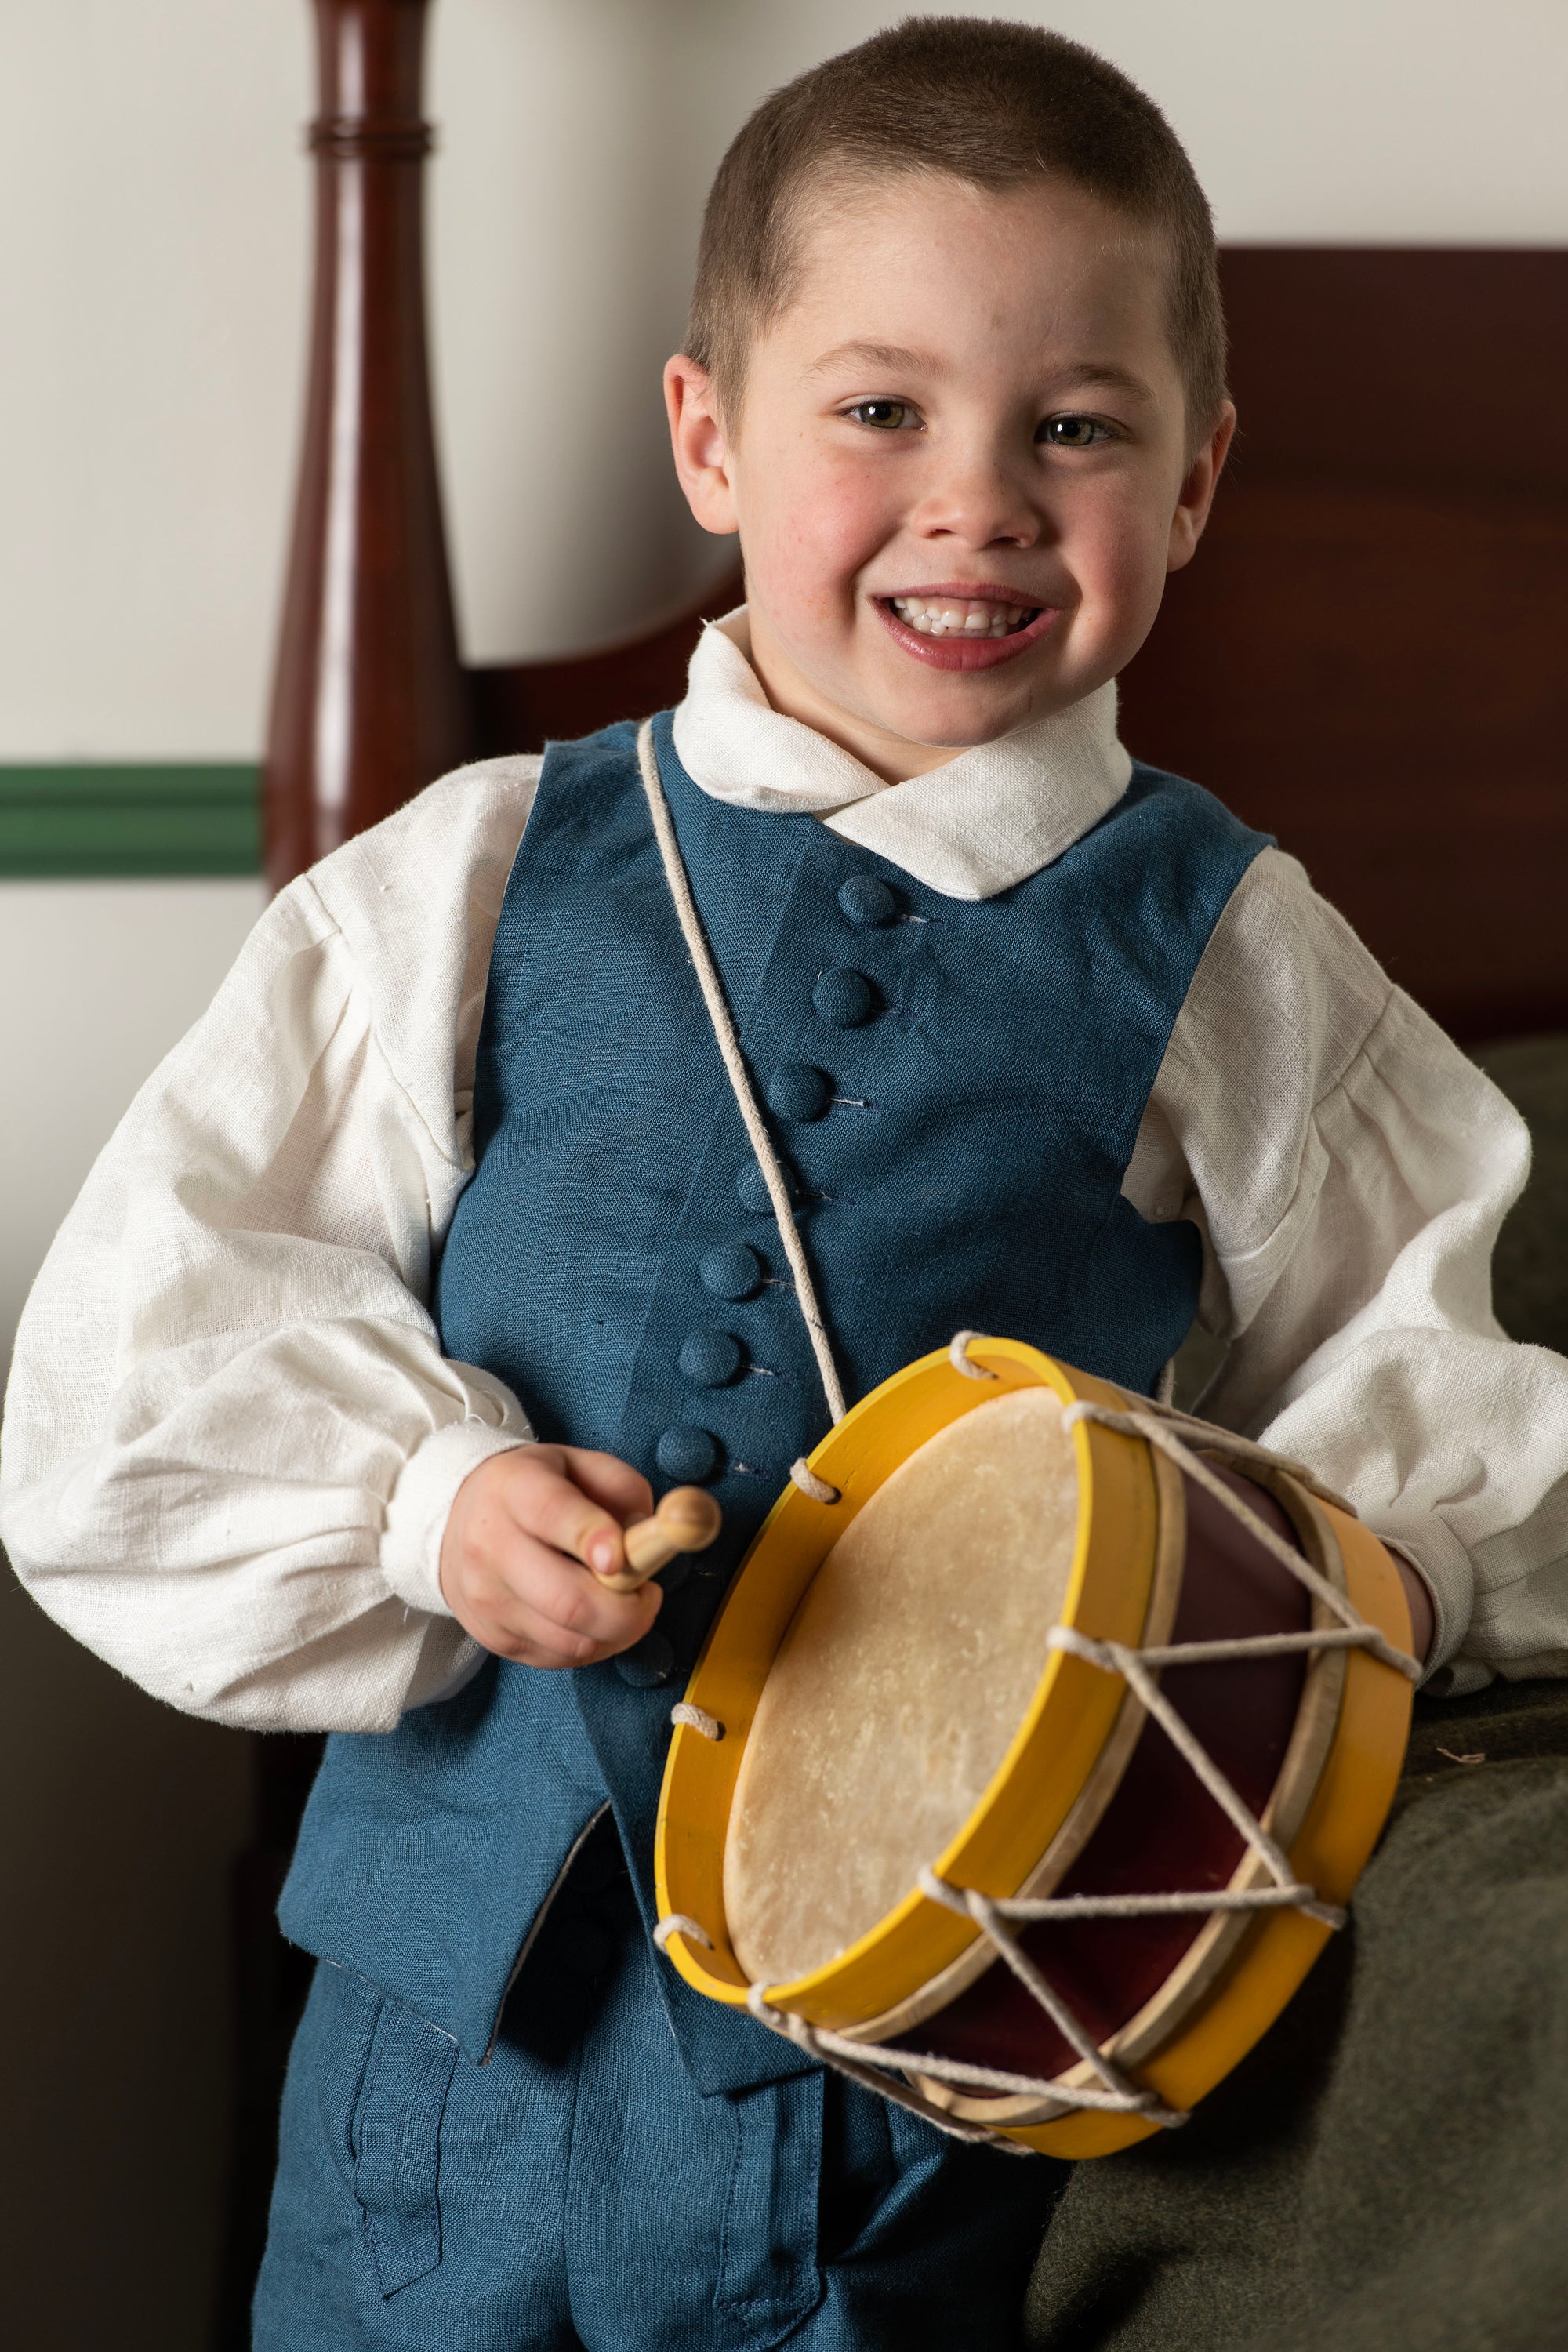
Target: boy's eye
{"x": 1072, "y": 432}
{"x": 884, "y": 416}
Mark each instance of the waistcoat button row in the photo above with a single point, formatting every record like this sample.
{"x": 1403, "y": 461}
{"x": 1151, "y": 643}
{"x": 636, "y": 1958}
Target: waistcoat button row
{"x": 845, "y": 998}
{"x": 686, "y": 1454}
{"x": 794, "y": 1090}
{"x": 733, "y": 1270}
{"x": 753, "y": 1187}
{"x": 866, "y": 902}
{"x": 711, "y": 1358}
{"x": 648, "y": 1662}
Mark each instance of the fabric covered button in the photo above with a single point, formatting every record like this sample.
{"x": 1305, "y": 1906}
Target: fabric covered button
{"x": 794, "y": 1090}
{"x": 866, "y": 902}
{"x": 685, "y": 1453}
{"x": 753, "y": 1187}
{"x": 734, "y": 1270}
{"x": 650, "y": 1662}
{"x": 711, "y": 1357}
{"x": 845, "y": 998}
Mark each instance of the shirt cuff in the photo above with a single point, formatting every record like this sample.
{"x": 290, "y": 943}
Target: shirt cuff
{"x": 1444, "y": 1567}
{"x": 421, "y": 1501}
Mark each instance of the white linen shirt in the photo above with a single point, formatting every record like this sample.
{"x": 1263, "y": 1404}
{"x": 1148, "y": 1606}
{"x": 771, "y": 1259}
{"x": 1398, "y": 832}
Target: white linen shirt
{"x": 231, "y": 1439}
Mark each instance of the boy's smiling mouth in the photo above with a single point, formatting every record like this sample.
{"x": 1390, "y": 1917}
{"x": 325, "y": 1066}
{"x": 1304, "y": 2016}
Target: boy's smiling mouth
{"x": 944, "y": 616}
{"x": 967, "y": 628}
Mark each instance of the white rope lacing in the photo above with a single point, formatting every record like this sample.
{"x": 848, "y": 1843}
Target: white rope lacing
{"x": 959, "y": 1357}
{"x": 696, "y": 1718}
{"x": 803, "y": 1476}
{"x": 735, "y": 1069}
{"x": 1173, "y": 1433}
{"x": 1111, "y": 2091}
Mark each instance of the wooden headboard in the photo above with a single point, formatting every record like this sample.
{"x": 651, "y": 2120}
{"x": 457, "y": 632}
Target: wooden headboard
{"x": 1366, "y": 659}
{"x": 1368, "y": 656}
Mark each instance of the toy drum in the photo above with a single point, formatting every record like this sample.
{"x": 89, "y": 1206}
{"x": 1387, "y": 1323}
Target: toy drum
{"x": 1034, "y": 1753}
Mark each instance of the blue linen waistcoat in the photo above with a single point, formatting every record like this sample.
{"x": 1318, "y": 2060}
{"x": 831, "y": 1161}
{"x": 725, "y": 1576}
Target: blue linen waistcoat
{"x": 956, "y": 1089}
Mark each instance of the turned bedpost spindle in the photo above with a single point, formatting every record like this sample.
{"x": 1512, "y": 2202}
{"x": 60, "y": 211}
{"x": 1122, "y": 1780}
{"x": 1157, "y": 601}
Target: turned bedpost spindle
{"x": 370, "y": 701}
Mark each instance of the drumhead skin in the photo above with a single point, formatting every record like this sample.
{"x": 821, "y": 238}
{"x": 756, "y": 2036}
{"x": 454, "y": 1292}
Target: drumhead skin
{"x": 899, "y": 1683}
{"x": 887, "y": 1702}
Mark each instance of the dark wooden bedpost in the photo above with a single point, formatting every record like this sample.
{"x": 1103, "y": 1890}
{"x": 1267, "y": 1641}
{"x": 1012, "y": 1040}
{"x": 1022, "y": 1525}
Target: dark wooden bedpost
{"x": 369, "y": 701}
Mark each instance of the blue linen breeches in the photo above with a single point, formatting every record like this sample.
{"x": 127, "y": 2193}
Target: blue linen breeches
{"x": 577, "y": 2194}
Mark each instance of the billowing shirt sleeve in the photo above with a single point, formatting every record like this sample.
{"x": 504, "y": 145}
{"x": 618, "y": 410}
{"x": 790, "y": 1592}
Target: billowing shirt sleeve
{"x": 1349, "y": 1169}
{"x": 231, "y": 1439}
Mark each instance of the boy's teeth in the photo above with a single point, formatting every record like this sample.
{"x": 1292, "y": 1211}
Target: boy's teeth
{"x": 940, "y": 616}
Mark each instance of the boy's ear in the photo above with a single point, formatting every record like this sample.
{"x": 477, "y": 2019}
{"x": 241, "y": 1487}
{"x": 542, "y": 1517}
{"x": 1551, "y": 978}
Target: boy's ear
{"x": 1196, "y": 494}
{"x": 701, "y": 448}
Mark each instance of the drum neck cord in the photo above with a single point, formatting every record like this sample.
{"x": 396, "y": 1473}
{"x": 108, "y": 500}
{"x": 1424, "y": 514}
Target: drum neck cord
{"x": 760, "y": 1141}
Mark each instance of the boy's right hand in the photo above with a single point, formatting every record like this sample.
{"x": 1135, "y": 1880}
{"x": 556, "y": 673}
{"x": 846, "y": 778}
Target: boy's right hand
{"x": 521, "y": 1527}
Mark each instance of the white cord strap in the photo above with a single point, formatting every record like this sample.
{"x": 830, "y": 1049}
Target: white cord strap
{"x": 728, "y": 1044}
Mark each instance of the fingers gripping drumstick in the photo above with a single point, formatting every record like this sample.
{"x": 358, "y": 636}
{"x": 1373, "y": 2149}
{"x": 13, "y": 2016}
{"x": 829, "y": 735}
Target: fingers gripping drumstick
{"x": 685, "y": 1520}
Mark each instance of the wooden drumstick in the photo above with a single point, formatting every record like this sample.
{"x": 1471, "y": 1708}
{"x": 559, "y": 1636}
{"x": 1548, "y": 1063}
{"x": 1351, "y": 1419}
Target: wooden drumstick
{"x": 686, "y": 1519}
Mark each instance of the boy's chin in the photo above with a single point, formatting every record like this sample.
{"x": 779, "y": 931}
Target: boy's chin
{"x": 949, "y": 721}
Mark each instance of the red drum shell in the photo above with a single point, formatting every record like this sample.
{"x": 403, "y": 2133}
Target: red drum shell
{"x": 1161, "y": 1831}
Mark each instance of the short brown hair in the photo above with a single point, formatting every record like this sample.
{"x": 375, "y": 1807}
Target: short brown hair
{"x": 992, "y": 103}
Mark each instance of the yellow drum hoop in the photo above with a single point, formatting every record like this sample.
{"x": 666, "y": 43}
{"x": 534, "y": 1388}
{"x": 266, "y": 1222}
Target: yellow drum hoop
{"x": 1052, "y": 1756}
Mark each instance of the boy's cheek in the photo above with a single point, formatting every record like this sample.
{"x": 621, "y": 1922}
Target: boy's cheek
{"x": 807, "y": 561}
{"x": 815, "y": 523}
{"x": 1116, "y": 553}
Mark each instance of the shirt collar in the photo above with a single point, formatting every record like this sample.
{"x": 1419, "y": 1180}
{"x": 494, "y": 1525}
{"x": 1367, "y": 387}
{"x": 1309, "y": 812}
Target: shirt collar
{"x": 982, "y": 823}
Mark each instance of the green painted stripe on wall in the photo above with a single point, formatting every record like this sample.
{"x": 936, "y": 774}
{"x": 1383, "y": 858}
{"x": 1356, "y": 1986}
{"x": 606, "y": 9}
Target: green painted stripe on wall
{"x": 99, "y": 819}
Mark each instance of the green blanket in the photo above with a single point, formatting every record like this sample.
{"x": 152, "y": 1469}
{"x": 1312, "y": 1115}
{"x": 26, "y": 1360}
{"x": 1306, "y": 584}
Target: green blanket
{"x": 1389, "y": 2168}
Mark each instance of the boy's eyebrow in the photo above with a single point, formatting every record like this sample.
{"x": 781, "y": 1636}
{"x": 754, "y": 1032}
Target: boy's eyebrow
{"x": 1109, "y": 373}
{"x": 881, "y": 355}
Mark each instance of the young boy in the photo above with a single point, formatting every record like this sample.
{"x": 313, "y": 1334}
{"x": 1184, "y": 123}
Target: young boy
{"x": 440, "y": 1238}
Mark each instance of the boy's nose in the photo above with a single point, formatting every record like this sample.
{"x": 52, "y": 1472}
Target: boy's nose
{"x": 982, "y": 502}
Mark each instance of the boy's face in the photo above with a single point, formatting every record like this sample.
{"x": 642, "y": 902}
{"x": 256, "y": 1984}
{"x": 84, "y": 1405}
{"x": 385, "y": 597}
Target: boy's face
{"x": 962, "y": 470}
